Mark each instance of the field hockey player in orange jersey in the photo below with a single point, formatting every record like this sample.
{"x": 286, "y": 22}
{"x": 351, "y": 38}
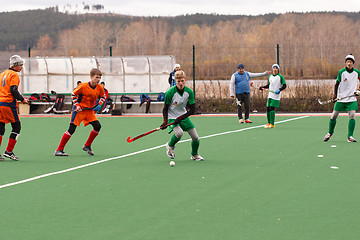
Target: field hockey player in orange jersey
{"x": 9, "y": 95}
{"x": 84, "y": 97}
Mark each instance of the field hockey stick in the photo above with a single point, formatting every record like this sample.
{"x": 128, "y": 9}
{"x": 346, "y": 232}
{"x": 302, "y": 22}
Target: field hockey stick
{"x": 334, "y": 100}
{"x": 129, "y": 140}
{"x": 29, "y": 100}
{"x": 251, "y": 85}
{"x": 90, "y": 108}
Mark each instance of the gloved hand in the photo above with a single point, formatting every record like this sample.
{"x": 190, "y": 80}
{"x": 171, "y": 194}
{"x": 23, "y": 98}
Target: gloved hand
{"x": 163, "y": 125}
{"x": 357, "y": 93}
{"x": 277, "y": 91}
{"x": 77, "y": 108}
{"x": 334, "y": 98}
{"x": 25, "y": 101}
{"x": 97, "y": 108}
{"x": 178, "y": 120}
{"x": 260, "y": 88}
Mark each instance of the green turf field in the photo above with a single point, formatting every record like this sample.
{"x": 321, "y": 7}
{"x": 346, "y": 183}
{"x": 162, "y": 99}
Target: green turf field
{"x": 254, "y": 184}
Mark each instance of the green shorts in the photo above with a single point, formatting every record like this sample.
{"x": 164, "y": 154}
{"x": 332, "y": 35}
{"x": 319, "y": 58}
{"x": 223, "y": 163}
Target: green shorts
{"x": 273, "y": 103}
{"x": 345, "y": 106}
{"x": 185, "y": 124}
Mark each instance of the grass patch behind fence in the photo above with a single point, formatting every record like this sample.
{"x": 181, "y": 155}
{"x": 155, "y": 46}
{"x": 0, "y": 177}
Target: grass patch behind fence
{"x": 299, "y": 96}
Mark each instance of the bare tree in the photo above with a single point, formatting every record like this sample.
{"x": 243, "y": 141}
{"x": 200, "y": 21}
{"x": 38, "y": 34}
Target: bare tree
{"x": 118, "y": 31}
{"x": 102, "y": 34}
{"x": 44, "y": 45}
{"x": 65, "y": 42}
{"x": 85, "y": 39}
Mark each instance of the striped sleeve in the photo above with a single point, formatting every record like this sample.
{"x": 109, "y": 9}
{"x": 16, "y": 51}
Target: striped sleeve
{"x": 75, "y": 96}
{"x": 74, "y": 99}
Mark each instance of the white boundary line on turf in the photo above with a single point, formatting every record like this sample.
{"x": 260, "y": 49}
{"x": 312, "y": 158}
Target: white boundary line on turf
{"x": 244, "y": 129}
{"x": 131, "y": 154}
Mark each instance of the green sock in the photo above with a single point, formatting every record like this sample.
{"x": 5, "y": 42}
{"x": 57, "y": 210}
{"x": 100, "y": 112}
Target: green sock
{"x": 268, "y": 116}
{"x": 272, "y": 117}
{"x": 195, "y": 147}
{"x": 332, "y": 124}
{"x": 173, "y": 141}
{"x": 351, "y": 127}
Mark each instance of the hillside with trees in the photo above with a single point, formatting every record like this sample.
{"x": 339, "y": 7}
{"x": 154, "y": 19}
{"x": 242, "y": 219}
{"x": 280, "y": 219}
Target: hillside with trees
{"x": 311, "y": 45}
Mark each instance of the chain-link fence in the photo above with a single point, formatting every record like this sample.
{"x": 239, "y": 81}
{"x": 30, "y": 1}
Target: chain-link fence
{"x": 217, "y": 63}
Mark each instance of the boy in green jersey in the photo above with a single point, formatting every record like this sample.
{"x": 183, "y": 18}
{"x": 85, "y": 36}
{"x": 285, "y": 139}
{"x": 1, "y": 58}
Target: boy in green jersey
{"x": 276, "y": 84}
{"x": 176, "y": 100}
{"x": 346, "y": 85}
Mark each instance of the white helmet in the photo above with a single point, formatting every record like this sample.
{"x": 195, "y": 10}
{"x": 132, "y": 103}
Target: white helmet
{"x": 275, "y": 65}
{"x": 16, "y": 60}
{"x": 177, "y": 65}
{"x": 350, "y": 57}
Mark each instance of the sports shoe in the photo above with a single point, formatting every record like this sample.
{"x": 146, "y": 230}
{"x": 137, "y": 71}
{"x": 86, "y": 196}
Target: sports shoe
{"x": 328, "y": 136}
{"x": 11, "y": 155}
{"x": 351, "y": 139}
{"x": 197, "y": 157}
{"x": 2, "y": 159}
{"x": 241, "y": 120}
{"x": 248, "y": 121}
{"x": 269, "y": 125}
{"x": 88, "y": 150}
{"x": 60, "y": 153}
{"x": 170, "y": 151}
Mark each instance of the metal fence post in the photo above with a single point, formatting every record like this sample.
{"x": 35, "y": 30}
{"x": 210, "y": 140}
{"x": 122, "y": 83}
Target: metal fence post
{"x": 194, "y": 69}
{"x": 110, "y": 59}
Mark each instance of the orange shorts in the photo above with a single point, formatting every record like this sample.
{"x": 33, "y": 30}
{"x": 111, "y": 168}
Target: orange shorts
{"x": 86, "y": 116}
{"x": 9, "y": 114}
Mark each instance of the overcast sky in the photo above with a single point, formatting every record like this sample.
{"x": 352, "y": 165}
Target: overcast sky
{"x": 180, "y": 7}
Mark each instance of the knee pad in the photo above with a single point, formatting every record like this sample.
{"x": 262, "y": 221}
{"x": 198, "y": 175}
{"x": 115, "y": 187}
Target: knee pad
{"x": 178, "y": 132}
{"x": 193, "y": 134}
{"x": 352, "y": 114}
{"x": 334, "y": 115}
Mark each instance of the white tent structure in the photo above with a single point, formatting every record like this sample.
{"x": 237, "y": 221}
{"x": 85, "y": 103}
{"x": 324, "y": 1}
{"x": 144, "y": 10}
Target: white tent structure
{"x": 136, "y": 74}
